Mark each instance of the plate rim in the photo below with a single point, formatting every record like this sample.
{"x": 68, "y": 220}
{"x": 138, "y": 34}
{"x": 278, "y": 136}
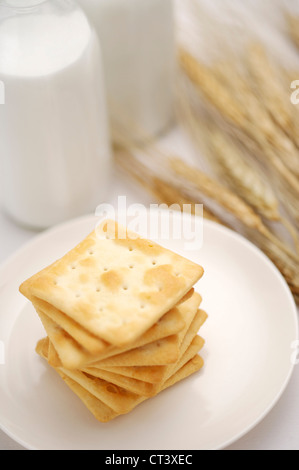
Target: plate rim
{"x": 39, "y": 237}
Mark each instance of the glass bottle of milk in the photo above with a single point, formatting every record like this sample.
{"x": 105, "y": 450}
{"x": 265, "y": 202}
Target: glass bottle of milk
{"x": 138, "y": 44}
{"x": 54, "y": 136}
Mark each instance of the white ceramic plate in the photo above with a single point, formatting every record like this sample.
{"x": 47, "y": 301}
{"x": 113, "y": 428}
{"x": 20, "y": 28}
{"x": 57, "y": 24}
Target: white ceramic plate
{"x": 252, "y": 324}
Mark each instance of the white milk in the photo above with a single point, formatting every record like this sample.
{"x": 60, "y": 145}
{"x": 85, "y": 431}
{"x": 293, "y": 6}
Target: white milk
{"x": 54, "y": 139}
{"x": 137, "y": 40}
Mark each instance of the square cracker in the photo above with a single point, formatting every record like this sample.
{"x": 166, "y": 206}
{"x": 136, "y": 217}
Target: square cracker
{"x": 74, "y": 356}
{"x": 188, "y": 368}
{"x": 116, "y": 398}
{"x": 69, "y": 353}
{"x": 188, "y": 339}
{"x": 171, "y": 323}
{"x": 164, "y": 351}
{"x": 86, "y": 340}
{"x": 133, "y": 385}
{"x": 104, "y": 414}
{"x": 138, "y": 386}
{"x": 115, "y": 284}
{"x": 99, "y": 410}
{"x": 159, "y": 374}
{"x": 95, "y": 397}
{"x": 152, "y": 354}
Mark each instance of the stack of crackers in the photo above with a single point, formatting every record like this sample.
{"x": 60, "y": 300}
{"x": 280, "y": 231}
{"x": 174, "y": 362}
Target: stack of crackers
{"x": 121, "y": 318}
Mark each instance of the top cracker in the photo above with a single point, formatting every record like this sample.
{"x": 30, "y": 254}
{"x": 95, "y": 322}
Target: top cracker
{"x": 115, "y": 284}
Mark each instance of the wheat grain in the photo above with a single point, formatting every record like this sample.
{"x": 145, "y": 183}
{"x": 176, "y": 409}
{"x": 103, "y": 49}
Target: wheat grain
{"x": 293, "y": 26}
{"x": 228, "y": 163}
{"x": 245, "y": 114}
{"x": 268, "y": 85}
{"x": 259, "y": 137}
{"x": 176, "y": 192}
{"x": 212, "y": 189}
{"x": 228, "y": 201}
{"x": 212, "y": 89}
{"x": 173, "y": 195}
{"x": 287, "y": 266}
{"x": 262, "y": 119}
{"x": 207, "y": 187}
{"x": 242, "y": 178}
{"x": 163, "y": 191}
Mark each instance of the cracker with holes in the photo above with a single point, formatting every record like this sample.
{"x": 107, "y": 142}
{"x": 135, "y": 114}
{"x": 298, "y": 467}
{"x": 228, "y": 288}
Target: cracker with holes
{"x": 108, "y": 395}
{"x": 121, "y": 317}
{"x": 159, "y": 374}
{"x": 105, "y": 400}
{"x": 114, "y": 284}
{"x": 144, "y": 388}
{"x": 75, "y": 353}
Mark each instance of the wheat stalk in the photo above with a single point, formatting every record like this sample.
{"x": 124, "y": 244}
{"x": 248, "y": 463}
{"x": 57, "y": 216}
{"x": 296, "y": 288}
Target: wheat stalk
{"x": 229, "y": 163}
{"x": 162, "y": 191}
{"x": 182, "y": 176}
{"x": 252, "y": 128}
{"x": 286, "y": 260}
{"x": 185, "y": 176}
{"x": 173, "y": 192}
{"x": 213, "y": 90}
{"x": 293, "y": 26}
{"x": 244, "y": 181}
{"x": 287, "y": 266}
{"x": 245, "y": 114}
{"x": 241, "y": 177}
{"x": 228, "y": 201}
{"x": 267, "y": 80}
